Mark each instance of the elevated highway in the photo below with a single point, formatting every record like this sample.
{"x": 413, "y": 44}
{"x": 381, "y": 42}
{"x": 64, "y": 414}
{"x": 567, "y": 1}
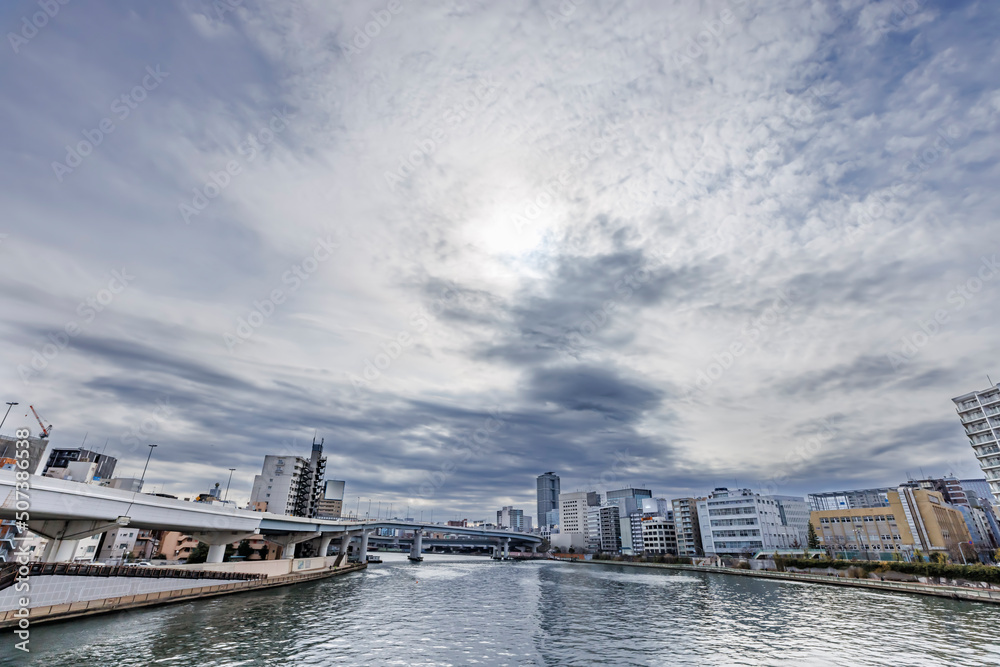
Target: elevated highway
{"x": 66, "y": 512}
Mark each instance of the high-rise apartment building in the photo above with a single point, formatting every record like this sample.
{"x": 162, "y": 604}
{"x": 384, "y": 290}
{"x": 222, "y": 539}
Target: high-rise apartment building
{"x": 688, "y": 530}
{"x": 547, "y": 498}
{"x": 979, "y": 412}
{"x": 290, "y": 485}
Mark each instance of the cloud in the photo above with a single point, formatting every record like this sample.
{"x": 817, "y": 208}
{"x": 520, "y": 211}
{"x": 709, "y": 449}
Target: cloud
{"x": 579, "y": 221}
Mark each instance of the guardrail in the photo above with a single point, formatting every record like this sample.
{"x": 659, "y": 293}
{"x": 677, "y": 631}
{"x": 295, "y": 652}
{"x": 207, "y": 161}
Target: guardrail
{"x": 9, "y": 572}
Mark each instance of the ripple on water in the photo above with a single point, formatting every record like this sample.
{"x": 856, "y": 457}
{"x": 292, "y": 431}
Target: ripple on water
{"x": 473, "y": 611}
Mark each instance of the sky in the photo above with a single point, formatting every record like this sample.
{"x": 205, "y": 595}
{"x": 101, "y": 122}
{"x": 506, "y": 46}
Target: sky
{"x": 675, "y": 245}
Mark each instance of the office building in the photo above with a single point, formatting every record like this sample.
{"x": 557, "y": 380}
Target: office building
{"x": 659, "y": 535}
{"x": 687, "y": 528}
{"x": 741, "y": 522}
{"x": 979, "y": 412}
{"x": 36, "y": 451}
{"x": 655, "y": 506}
{"x": 331, "y": 504}
{"x": 547, "y": 497}
{"x": 794, "y": 513}
{"x": 116, "y": 544}
{"x": 290, "y": 485}
{"x": 511, "y": 519}
{"x": 61, "y": 458}
{"x": 604, "y": 528}
{"x": 845, "y": 500}
{"x": 573, "y": 510}
{"x": 629, "y": 500}
{"x": 980, "y": 487}
{"x": 914, "y": 520}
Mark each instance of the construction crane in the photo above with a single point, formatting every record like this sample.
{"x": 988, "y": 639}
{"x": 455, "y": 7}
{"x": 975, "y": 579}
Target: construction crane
{"x": 45, "y": 431}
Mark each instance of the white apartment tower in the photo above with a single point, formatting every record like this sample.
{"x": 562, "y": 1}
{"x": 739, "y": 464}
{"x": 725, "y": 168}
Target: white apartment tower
{"x": 290, "y": 485}
{"x": 980, "y": 415}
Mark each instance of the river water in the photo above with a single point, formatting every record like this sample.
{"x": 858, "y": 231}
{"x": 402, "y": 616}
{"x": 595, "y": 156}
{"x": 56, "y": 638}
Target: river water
{"x": 455, "y": 610}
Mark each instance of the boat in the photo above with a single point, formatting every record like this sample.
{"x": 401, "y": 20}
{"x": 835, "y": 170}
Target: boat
{"x": 416, "y": 559}
{"x": 373, "y": 558}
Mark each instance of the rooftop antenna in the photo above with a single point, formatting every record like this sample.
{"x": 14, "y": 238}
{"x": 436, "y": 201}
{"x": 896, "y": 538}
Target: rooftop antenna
{"x": 105, "y": 446}
{"x": 988, "y": 378}
{"x": 84, "y": 439}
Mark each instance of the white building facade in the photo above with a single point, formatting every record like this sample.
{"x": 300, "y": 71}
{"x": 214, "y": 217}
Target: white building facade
{"x": 738, "y": 522}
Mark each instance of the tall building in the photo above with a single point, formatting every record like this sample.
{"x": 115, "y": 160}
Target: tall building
{"x": 36, "y": 451}
{"x": 980, "y": 487}
{"x": 979, "y": 412}
{"x": 739, "y": 521}
{"x": 629, "y": 500}
{"x": 547, "y": 497}
{"x": 573, "y": 510}
{"x": 688, "y": 530}
{"x": 914, "y": 520}
{"x": 511, "y": 519}
{"x": 845, "y": 500}
{"x": 290, "y": 485}
{"x": 604, "y": 528}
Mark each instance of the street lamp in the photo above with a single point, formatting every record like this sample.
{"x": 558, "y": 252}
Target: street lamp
{"x": 9, "y": 406}
{"x": 149, "y": 456}
{"x": 226, "y": 497}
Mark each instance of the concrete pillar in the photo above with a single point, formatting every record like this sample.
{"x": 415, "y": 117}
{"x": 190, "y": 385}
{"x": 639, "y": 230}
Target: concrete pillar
{"x": 216, "y": 553}
{"x": 363, "y": 552}
{"x": 418, "y": 544}
{"x": 345, "y": 543}
{"x": 506, "y": 547}
{"x": 324, "y": 544}
{"x": 289, "y": 551}
{"x": 63, "y": 551}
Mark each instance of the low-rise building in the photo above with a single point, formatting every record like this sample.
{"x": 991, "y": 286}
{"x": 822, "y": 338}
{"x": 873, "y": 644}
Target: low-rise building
{"x": 659, "y": 535}
{"x": 916, "y": 520}
{"x": 740, "y": 522}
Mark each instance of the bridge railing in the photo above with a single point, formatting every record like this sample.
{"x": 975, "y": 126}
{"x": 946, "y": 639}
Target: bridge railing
{"x": 9, "y": 572}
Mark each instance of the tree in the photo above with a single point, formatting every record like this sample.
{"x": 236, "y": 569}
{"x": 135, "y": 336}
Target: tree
{"x": 813, "y": 537}
{"x": 263, "y": 551}
{"x": 199, "y": 554}
{"x": 244, "y": 550}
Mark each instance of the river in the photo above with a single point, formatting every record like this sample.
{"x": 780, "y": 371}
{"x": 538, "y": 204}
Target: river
{"x": 455, "y": 610}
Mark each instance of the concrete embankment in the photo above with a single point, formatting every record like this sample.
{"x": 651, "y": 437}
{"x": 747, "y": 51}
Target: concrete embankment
{"x": 66, "y": 593}
{"x": 953, "y": 592}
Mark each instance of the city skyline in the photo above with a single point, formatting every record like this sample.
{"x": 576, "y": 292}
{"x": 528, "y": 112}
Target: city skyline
{"x": 672, "y": 252}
